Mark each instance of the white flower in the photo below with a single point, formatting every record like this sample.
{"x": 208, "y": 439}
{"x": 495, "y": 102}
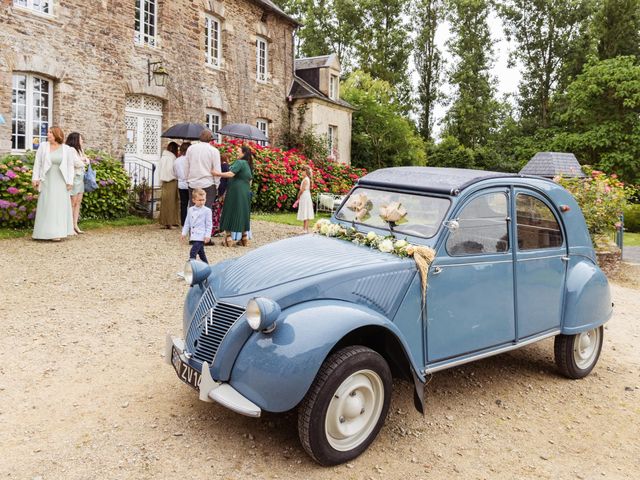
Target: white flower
{"x": 371, "y": 236}
{"x": 386, "y": 246}
{"x": 333, "y": 229}
{"x": 401, "y": 243}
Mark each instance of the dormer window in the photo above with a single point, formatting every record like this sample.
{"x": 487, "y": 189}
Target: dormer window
{"x": 262, "y": 58}
{"x": 146, "y": 23}
{"x": 213, "y": 44}
{"x": 333, "y": 87}
{"x": 40, "y": 6}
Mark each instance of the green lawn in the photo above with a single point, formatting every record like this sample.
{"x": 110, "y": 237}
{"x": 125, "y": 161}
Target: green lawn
{"x": 631, "y": 239}
{"x": 84, "y": 225}
{"x": 288, "y": 218}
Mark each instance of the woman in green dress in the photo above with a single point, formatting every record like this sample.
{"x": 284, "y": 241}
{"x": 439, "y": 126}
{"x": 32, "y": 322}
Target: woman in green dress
{"x": 53, "y": 178}
{"x": 236, "y": 212}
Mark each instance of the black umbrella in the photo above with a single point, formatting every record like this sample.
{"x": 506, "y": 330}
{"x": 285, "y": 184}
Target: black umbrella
{"x": 243, "y": 130}
{"x": 185, "y": 131}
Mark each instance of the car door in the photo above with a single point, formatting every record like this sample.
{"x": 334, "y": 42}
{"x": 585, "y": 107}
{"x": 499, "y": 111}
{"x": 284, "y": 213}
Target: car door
{"x": 471, "y": 281}
{"x": 541, "y": 264}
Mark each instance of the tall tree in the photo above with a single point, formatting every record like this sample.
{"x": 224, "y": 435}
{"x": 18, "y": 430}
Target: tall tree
{"x": 472, "y": 115}
{"x": 382, "y": 136}
{"x": 329, "y": 26}
{"x": 428, "y": 62}
{"x": 551, "y": 44}
{"x": 617, "y": 27}
{"x": 383, "y": 46}
{"x": 601, "y": 124}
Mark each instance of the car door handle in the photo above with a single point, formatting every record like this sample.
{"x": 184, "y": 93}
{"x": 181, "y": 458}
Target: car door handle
{"x": 437, "y": 270}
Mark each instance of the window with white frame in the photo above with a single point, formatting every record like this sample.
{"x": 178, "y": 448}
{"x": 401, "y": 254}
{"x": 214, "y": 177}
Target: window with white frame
{"x": 213, "y": 44}
{"x": 146, "y": 23}
{"x": 31, "y": 103}
{"x": 41, "y": 6}
{"x": 213, "y": 121}
{"x": 262, "y": 59}
{"x": 333, "y": 87}
{"x": 263, "y": 126}
{"x": 332, "y": 139}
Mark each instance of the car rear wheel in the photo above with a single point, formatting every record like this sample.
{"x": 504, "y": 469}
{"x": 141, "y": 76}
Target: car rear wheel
{"x": 346, "y": 405}
{"x": 576, "y": 355}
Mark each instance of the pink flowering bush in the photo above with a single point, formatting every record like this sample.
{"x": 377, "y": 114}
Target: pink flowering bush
{"x": 276, "y": 176}
{"x": 18, "y": 198}
{"x": 601, "y": 197}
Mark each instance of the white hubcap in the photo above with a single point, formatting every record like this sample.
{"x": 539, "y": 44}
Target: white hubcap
{"x": 354, "y": 410}
{"x": 585, "y": 348}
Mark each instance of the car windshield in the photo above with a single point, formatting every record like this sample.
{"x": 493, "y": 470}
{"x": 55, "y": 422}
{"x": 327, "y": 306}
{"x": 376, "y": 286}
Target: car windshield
{"x": 406, "y": 213}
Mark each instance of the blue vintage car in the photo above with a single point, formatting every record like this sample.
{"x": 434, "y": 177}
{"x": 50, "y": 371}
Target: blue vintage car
{"x": 323, "y": 322}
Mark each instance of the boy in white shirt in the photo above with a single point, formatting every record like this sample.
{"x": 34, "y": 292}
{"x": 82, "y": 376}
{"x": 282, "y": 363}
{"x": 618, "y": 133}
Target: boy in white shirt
{"x": 198, "y": 224}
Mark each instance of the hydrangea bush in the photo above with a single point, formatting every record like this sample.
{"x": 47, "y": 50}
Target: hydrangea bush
{"x": 602, "y": 199}
{"x": 18, "y": 198}
{"x": 111, "y": 199}
{"x": 276, "y": 175}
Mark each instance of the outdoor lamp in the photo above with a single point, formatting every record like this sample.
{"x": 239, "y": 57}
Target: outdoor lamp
{"x": 262, "y": 314}
{"x": 158, "y": 72}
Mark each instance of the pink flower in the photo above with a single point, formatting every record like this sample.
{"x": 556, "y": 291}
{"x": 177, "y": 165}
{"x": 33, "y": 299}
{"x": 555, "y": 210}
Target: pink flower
{"x": 12, "y": 190}
{"x": 11, "y": 174}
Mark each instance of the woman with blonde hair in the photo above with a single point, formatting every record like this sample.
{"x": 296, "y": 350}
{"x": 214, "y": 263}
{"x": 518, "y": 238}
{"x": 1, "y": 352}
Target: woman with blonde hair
{"x": 53, "y": 173}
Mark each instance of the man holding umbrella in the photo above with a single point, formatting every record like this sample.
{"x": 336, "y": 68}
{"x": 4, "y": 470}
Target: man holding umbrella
{"x": 201, "y": 158}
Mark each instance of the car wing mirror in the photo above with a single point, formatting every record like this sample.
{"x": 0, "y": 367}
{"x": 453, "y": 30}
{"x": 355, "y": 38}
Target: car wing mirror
{"x": 451, "y": 225}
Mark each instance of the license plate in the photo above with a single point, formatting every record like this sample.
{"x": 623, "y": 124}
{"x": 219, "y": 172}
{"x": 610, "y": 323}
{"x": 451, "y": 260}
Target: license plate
{"x": 187, "y": 374}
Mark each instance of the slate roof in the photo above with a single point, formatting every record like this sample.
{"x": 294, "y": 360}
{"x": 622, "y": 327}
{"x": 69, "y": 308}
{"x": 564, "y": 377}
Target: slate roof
{"x": 269, "y": 5}
{"x": 551, "y": 164}
{"x": 313, "y": 62}
{"x": 441, "y": 180}
{"x": 301, "y": 89}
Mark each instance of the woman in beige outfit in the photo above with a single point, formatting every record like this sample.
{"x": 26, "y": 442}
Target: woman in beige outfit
{"x": 170, "y": 201}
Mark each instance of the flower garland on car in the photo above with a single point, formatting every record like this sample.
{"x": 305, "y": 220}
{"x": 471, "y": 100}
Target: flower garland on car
{"x": 423, "y": 256}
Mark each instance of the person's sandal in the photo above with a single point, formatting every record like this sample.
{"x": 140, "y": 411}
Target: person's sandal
{"x": 227, "y": 241}
{"x": 244, "y": 241}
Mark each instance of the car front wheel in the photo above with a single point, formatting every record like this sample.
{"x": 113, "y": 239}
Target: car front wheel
{"x": 576, "y": 355}
{"x": 346, "y": 405}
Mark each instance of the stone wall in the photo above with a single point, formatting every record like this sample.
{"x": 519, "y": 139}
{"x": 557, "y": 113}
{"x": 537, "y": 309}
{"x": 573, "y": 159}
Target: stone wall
{"x": 87, "y": 48}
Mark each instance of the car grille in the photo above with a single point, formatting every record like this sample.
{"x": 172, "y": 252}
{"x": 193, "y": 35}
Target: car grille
{"x": 211, "y": 323}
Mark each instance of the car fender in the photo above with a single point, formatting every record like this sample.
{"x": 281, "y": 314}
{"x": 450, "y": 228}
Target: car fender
{"x": 588, "y": 298}
{"x": 275, "y": 370}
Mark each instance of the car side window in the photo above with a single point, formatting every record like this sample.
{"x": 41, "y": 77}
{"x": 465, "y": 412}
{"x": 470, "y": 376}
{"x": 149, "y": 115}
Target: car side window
{"x": 537, "y": 225}
{"x": 482, "y": 227}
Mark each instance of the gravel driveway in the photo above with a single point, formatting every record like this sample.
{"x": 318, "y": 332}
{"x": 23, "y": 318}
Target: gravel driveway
{"x": 85, "y": 392}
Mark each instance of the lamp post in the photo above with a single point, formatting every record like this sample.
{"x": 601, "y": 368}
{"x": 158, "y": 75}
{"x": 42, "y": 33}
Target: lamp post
{"x": 158, "y": 72}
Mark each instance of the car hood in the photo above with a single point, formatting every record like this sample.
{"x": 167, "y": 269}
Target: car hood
{"x": 296, "y": 259}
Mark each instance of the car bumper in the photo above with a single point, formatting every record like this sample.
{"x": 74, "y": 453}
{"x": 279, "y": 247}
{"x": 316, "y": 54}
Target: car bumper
{"x": 210, "y": 390}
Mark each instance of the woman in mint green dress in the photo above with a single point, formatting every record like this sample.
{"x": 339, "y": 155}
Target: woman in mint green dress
{"x": 236, "y": 212}
{"x": 53, "y": 177}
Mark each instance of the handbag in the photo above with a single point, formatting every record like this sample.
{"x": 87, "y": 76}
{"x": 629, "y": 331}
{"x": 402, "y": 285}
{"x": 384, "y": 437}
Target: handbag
{"x": 90, "y": 183}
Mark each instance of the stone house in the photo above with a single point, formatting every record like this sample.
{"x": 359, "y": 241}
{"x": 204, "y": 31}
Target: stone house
{"x": 88, "y": 66}
{"x": 316, "y": 103}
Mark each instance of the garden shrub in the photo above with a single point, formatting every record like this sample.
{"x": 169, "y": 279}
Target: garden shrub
{"x": 632, "y": 217}
{"x": 275, "y": 176}
{"x": 18, "y": 198}
{"x": 602, "y": 199}
{"x": 111, "y": 199}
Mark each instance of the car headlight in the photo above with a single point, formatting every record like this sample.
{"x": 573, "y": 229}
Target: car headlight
{"x": 196, "y": 272}
{"x": 262, "y": 314}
